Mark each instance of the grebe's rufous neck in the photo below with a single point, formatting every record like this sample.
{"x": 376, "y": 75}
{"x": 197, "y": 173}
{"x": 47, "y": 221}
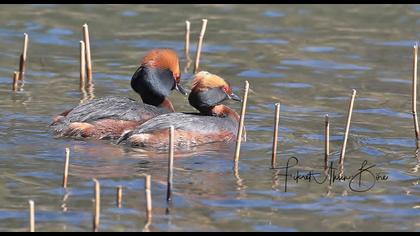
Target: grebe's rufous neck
{"x": 109, "y": 117}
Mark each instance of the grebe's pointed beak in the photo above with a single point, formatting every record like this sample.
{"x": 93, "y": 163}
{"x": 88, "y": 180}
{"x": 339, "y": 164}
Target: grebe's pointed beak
{"x": 235, "y": 97}
{"x": 181, "y": 89}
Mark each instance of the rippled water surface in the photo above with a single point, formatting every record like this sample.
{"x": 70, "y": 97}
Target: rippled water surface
{"x": 308, "y": 57}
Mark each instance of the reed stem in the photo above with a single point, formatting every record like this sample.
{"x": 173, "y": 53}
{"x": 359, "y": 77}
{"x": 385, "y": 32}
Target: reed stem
{"x": 23, "y": 57}
{"x": 119, "y": 196}
{"x": 31, "y": 216}
{"x": 346, "y": 133}
{"x": 187, "y": 40}
{"x": 66, "y": 168}
{"x": 97, "y": 208}
{"x": 241, "y": 124}
{"x": 148, "y": 192}
{"x": 275, "y": 135}
{"x": 170, "y": 163}
{"x": 15, "y": 81}
{"x": 86, "y": 39}
{"x": 199, "y": 45}
{"x": 414, "y": 97}
{"x": 82, "y": 65}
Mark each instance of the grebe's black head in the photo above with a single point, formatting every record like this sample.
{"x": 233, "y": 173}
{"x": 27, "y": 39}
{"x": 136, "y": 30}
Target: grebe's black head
{"x": 209, "y": 90}
{"x": 157, "y": 76}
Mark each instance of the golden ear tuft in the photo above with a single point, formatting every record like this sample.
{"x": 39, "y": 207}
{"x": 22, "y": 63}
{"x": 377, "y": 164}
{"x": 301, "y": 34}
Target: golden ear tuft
{"x": 205, "y": 79}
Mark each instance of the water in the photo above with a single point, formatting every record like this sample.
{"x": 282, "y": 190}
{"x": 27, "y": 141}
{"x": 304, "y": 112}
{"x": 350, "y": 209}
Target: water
{"x": 308, "y": 57}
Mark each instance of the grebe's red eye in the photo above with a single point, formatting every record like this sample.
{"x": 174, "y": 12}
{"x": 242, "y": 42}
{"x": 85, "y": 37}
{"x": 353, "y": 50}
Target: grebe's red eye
{"x": 225, "y": 89}
{"x": 176, "y": 76}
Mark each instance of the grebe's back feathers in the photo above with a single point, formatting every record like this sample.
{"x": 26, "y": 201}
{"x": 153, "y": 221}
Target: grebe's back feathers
{"x": 189, "y": 129}
{"x": 121, "y": 108}
{"x": 187, "y": 122}
{"x": 110, "y": 107}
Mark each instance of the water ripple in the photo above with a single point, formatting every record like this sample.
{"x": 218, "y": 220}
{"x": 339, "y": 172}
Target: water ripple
{"x": 259, "y": 74}
{"x": 384, "y": 112}
{"x": 273, "y": 14}
{"x": 293, "y": 85}
{"x": 323, "y": 64}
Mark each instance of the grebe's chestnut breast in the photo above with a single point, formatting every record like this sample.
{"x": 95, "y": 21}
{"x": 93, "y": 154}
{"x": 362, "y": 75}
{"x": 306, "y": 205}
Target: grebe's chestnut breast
{"x": 215, "y": 122}
{"x": 109, "y": 117}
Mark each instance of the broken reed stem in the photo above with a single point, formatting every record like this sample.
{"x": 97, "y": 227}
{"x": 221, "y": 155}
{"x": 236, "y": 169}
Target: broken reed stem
{"x": 241, "y": 124}
{"x": 148, "y": 192}
{"x": 66, "y": 168}
{"x": 119, "y": 196}
{"x": 170, "y": 163}
{"x": 187, "y": 40}
{"x": 97, "y": 206}
{"x": 23, "y": 56}
{"x": 88, "y": 54}
{"x": 327, "y": 142}
{"x": 31, "y": 216}
{"x": 200, "y": 43}
{"x": 346, "y": 133}
{"x": 15, "y": 81}
{"x": 275, "y": 135}
{"x": 414, "y": 102}
{"x": 82, "y": 65}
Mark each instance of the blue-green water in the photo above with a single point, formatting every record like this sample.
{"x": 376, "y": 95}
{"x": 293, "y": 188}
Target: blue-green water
{"x": 308, "y": 57}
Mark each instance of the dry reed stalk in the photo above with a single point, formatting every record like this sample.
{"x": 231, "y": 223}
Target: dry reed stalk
{"x": 86, "y": 39}
{"x": 66, "y": 168}
{"x": 170, "y": 163}
{"x": 82, "y": 65}
{"x": 346, "y": 133}
{"x": 241, "y": 124}
{"x": 148, "y": 193}
{"x": 97, "y": 206}
{"x": 414, "y": 97}
{"x": 326, "y": 142}
{"x": 31, "y": 216}
{"x": 200, "y": 44}
{"x": 15, "y": 80}
{"x": 275, "y": 135}
{"x": 187, "y": 40}
{"x": 119, "y": 196}
{"x": 23, "y": 57}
